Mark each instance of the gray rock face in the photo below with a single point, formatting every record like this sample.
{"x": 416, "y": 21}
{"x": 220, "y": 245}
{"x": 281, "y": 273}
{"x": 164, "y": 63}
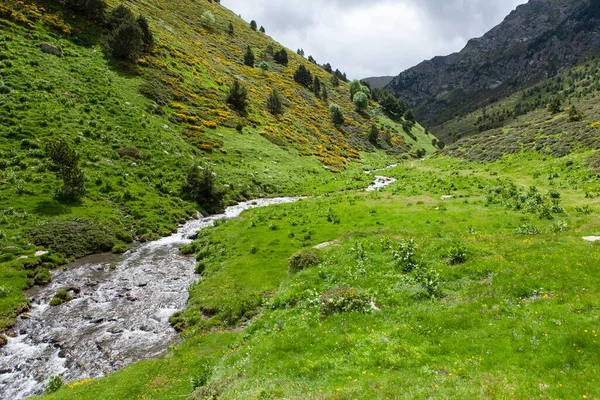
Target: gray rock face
{"x": 536, "y": 41}
{"x": 51, "y": 49}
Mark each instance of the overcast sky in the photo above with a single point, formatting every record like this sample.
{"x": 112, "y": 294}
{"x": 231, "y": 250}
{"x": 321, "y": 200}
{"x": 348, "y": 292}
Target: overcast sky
{"x": 377, "y": 37}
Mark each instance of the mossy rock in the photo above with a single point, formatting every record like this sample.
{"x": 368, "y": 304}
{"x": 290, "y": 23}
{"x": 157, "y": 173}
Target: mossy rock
{"x": 62, "y": 296}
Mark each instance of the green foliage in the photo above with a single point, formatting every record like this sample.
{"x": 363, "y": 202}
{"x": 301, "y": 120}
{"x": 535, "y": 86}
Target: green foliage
{"x": 324, "y": 95}
{"x": 64, "y": 162}
{"x": 373, "y": 135}
{"x": 457, "y": 254}
{"x": 302, "y": 260}
{"x": 344, "y": 299}
{"x": 356, "y": 87}
{"x": 54, "y": 384}
{"x": 405, "y": 256}
{"x": 281, "y": 57}
{"x": 429, "y": 279}
{"x": 253, "y": 25}
{"x": 574, "y": 114}
{"x": 201, "y": 378}
{"x": 126, "y": 40}
{"x": 361, "y": 101}
{"x": 208, "y": 21}
{"x": 555, "y": 105}
{"x": 201, "y": 186}
{"x": 336, "y": 115}
{"x": 303, "y": 76}
{"x": 237, "y": 96}
{"x": 147, "y": 35}
{"x": 91, "y": 9}
{"x": 317, "y": 86}
{"x": 274, "y": 103}
{"x": 249, "y": 58}
{"x": 62, "y": 296}
{"x": 230, "y": 29}
{"x": 73, "y": 237}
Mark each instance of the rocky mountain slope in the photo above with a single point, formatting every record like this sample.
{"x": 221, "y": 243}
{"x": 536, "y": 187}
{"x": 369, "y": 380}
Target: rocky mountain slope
{"x": 535, "y": 42}
{"x": 378, "y": 81}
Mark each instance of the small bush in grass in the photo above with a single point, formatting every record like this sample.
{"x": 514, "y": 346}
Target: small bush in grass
{"x": 61, "y": 297}
{"x": 54, "y": 384}
{"x": 201, "y": 378}
{"x": 4, "y": 291}
{"x": 302, "y": 260}
{"x": 405, "y": 256}
{"x": 457, "y": 254}
{"x": 344, "y": 299}
{"x": 428, "y": 278}
{"x": 200, "y": 267}
{"x": 527, "y": 229}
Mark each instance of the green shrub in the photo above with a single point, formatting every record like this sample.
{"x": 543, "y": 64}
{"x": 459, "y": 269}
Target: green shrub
{"x": 335, "y": 112}
{"x": 201, "y": 378}
{"x": 207, "y": 20}
{"x": 64, "y": 162}
{"x": 361, "y": 101}
{"x": 73, "y": 237}
{"x": 249, "y": 58}
{"x": 62, "y": 296}
{"x": 201, "y": 186}
{"x": 119, "y": 248}
{"x": 237, "y": 96}
{"x": 344, "y": 299}
{"x": 274, "y": 104}
{"x": 303, "y": 76}
{"x": 200, "y": 267}
{"x": 527, "y": 229}
{"x": 405, "y": 256}
{"x": 302, "y": 260}
{"x": 428, "y": 278}
{"x": 4, "y": 291}
{"x": 457, "y": 254}
{"x": 42, "y": 276}
{"x": 54, "y": 384}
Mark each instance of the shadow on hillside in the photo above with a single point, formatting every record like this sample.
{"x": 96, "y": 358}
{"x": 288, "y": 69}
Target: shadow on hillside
{"x": 51, "y": 208}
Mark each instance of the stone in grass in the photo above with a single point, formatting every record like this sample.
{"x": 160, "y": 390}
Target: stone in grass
{"x": 3, "y": 341}
{"x": 592, "y": 238}
{"x": 51, "y": 49}
{"x": 61, "y": 297}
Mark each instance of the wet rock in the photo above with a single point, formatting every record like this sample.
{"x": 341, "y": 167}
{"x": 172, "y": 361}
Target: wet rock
{"x": 116, "y": 330}
{"x": 3, "y": 341}
{"x": 51, "y": 49}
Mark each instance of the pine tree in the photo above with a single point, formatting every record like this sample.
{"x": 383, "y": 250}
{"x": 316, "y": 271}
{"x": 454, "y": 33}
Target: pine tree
{"x": 303, "y": 76}
{"x": 64, "y": 163}
{"x": 249, "y": 57}
{"x": 253, "y": 25}
{"x": 274, "y": 104}
{"x": 237, "y": 96}
{"x": 317, "y": 86}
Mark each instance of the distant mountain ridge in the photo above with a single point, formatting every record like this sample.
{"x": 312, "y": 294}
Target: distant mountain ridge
{"x": 378, "y": 81}
{"x": 535, "y": 42}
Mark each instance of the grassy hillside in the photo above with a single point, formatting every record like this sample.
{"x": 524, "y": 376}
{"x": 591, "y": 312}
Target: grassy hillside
{"x": 138, "y": 127}
{"x": 527, "y": 111}
{"x": 486, "y": 294}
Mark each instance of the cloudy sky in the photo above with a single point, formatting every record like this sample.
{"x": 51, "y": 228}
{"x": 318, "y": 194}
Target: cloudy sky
{"x": 377, "y": 37}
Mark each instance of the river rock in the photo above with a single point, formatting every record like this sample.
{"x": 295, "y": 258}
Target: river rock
{"x": 51, "y": 49}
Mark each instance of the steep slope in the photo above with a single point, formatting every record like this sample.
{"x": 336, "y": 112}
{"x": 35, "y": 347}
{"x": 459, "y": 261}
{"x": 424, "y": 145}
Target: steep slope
{"x": 535, "y": 42}
{"x": 138, "y": 127}
{"x": 524, "y": 122}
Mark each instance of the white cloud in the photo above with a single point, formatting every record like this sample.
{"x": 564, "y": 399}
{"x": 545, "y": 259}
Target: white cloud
{"x": 380, "y": 37}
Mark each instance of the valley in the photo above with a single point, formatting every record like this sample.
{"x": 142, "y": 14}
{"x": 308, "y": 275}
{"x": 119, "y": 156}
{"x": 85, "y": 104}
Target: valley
{"x": 205, "y": 214}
